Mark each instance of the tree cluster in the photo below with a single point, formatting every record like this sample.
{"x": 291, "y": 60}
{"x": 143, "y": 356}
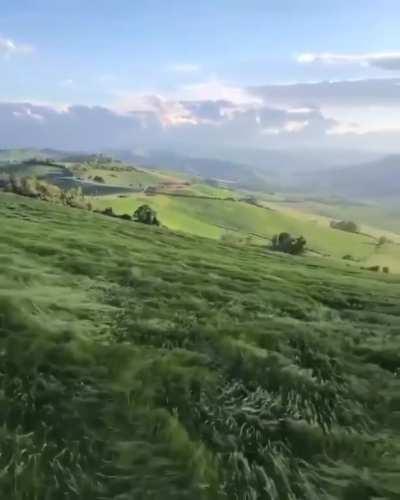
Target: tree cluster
{"x": 345, "y": 225}
{"x": 285, "y": 242}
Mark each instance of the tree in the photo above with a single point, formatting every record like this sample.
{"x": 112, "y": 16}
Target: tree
{"x": 99, "y": 179}
{"x": 383, "y": 240}
{"x": 285, "y": 242}
{"x": 345, "y": 225}
{"x": 146, "y": 215}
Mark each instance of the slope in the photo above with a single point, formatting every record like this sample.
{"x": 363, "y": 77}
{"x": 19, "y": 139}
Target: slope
{"x": 140, "y": 363}
{"x": 214, "y": 217}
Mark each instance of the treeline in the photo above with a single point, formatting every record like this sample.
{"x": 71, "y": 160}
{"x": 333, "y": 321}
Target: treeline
{"x": 35, "y": 188}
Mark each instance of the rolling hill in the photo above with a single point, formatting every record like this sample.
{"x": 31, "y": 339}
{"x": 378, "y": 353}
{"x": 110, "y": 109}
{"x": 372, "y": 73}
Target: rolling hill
{"x": 214, "y": 218}
{"x": 376, "y": 180}
{"x": 137, "y": 362}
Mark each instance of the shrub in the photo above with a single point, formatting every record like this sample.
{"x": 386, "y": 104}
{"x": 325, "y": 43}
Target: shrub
{"x": 98, "y": 178}
{"x": 146, "y": 215}
{"x": 343, "y": 225}
{"x": 382, "y": 241}
{"x": 109, "y": 211}
{"x": 34, "y": 188}
{"x": 126, "y": 217}
{"x": 374, "y": 269}
{"x": 285, "y": 242}
{"x": 74, "y": 198}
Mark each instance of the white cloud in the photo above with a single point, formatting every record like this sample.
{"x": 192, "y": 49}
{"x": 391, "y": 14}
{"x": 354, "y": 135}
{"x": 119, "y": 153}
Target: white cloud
{"x": 216, "y": 90}
{"x": 184, "y": 68}
{"x": 9, "y": 48}
{"x": 383, "y": 92}
{"x": 28, "y": 113}
{"x": 382, "y": 60}
{"x": 290, "y": 127}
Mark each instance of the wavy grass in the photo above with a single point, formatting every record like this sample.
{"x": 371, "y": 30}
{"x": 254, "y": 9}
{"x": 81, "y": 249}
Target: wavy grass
{"x": 140, "y": 363}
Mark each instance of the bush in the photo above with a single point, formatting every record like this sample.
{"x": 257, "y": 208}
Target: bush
{"x": 285, "y": 242}
{"x": 74, "y": 198}
{"x": 343, "y": 225}
{"x": 126, "y": 217}
{"x": 98, "y": 178}
{"x": 146, "y": 215}
{"x": 383, "y": 240}
{"x": 34, "y": 188}
{"x": 109, "y": 211}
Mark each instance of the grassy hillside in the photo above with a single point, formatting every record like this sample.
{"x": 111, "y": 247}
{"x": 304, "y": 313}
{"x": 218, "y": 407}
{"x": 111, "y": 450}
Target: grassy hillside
{"x": 36, "y": 170}
{"x": 127, "y": 177}
{"x": 140, "y": 363}
{"x": 212, "y": 218}
{"x": 384, "y": 215}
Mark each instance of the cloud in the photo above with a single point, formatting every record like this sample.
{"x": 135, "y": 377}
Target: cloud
{"x": 211, "y": 115}
{"x": 217, "y": 90}
{"x": 384, "y": 92}
{"x": 10, "y": 48}
{"x": 382, "y": 60}
{"x": 154, "y": 123}
{"x": 184, "y": 68}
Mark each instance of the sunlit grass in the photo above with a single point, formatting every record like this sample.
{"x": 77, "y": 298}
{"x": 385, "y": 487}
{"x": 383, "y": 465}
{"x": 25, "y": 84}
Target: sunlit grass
{"x": 136, "y": 362}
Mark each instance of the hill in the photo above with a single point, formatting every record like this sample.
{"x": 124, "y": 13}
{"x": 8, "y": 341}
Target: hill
{"x": 216, "y": 217}
{"x": 142, "y": 363}
{"x": 231, "y": 172}
{"x": 379, "y": 179}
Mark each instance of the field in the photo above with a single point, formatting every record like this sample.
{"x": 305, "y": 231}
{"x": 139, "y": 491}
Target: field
{"x": 137, "y": 362}
{"x": 214, "y": 218}
{"x": 385, "y": 215}
{"x": 126, "y": 177}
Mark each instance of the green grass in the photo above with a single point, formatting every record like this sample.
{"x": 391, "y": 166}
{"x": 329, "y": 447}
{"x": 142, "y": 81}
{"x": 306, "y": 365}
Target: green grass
{"x": 385, "y": 215}
{"x": 126, "y": 177}
{"x": 136, "y": 362}
{"x": 213, "y": 218}
{"x": 27, "y": 170}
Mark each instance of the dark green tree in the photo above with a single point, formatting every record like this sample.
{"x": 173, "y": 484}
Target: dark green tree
{"x": 146, "y": 215}
{"x": 285, "y": 242}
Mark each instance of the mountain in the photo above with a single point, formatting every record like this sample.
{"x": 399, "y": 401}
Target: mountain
{"x": 253, "y": 168}
{"x": 230, "y": 172}
{"x": 375, "y": 180}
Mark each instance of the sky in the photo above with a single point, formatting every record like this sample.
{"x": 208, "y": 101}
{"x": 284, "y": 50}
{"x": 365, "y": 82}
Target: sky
{"x": 157, "y": 73}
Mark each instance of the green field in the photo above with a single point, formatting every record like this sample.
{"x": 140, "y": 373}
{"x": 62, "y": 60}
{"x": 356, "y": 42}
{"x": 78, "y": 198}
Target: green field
{"x": 141, "y": 363}
{"x": 125, "y": 177}
{"x": 213, "y": 218}
{"x": 385, "y": 215}
{"x": 26, "y": 170}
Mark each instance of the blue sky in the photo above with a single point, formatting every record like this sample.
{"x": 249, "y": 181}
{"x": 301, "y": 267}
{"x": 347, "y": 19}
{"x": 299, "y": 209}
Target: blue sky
{"x": 84, "y": 50}
{"x": 110, "y": 52}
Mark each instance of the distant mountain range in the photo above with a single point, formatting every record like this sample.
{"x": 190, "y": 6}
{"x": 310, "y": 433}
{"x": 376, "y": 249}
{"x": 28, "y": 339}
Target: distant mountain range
{"x": 373, "y": 180}
{"x": 226, "y": 171}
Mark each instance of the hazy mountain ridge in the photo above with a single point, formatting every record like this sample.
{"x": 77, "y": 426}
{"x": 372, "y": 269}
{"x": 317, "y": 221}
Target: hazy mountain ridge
{"x": 368, "y": 176}
{"x": 376, "y": 179}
